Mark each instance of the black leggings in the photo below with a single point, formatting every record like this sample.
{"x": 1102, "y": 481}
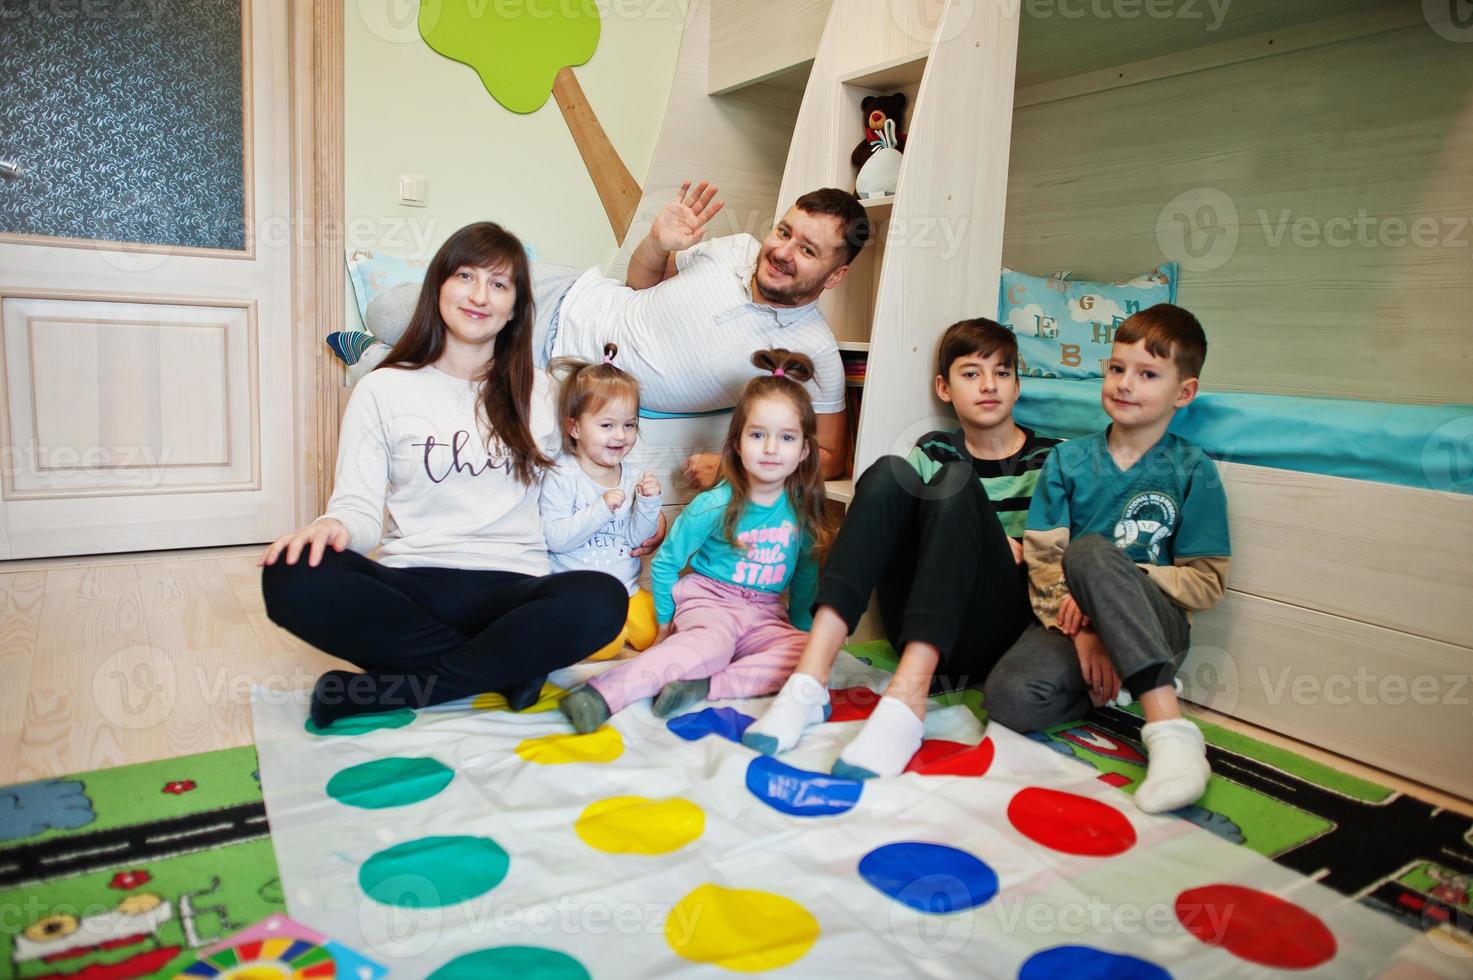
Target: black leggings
{"x": 940, "y": 561}
{"x": 429, "y": 635}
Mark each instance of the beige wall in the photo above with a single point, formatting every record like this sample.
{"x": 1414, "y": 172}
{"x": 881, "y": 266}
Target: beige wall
{"x": 410, "y": 110}
{"x": 1339, "y": 179}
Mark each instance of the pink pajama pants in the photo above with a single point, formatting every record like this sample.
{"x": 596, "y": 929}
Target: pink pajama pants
{"x": 740, "y": 638}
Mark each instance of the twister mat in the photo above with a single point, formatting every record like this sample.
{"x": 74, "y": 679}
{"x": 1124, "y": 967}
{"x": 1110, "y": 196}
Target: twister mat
{"x": 479, "y": 843}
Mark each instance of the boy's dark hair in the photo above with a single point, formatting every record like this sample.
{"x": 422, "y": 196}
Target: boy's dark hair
{"x": 979, "y": 336}
{"x": 1168, "y": 331}
{"x": 853, "y": 219}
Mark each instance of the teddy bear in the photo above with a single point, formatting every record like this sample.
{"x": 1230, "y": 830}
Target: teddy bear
{"x": 877, "y": 110}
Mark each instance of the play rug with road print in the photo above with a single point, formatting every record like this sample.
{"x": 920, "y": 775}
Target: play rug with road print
{"x": 129, "y": 872}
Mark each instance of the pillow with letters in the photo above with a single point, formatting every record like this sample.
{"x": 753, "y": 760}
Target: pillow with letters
{"x": 1065, "y": 327}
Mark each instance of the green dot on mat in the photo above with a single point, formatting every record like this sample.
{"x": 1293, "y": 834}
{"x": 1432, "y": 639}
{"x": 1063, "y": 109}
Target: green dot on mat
{"x": 362, "y": 724}
{"x": 523, "y": 962}
{"x": 433, "y": 871}
{"x": 389, "y": 782}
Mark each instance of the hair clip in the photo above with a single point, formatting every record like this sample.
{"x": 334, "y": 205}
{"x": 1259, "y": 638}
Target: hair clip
{"x": 778, "y": 373}
{"x": 608, "y": 358}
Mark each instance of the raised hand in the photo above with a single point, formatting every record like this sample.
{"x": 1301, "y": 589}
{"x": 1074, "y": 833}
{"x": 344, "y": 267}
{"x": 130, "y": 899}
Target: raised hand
{"x": 615, "y": 499}
{"x": 682, "y": 223}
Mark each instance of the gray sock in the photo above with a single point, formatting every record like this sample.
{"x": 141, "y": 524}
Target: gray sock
{"x": 678, "y": 695}
{"x": 585, "y": 708}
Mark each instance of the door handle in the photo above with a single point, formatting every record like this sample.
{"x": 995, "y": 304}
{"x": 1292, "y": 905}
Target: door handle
{"x": 9, "y": 168}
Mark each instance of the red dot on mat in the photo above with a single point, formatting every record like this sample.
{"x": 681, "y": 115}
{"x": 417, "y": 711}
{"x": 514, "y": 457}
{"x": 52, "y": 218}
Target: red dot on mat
{"x": 1255, "y": 926}
{"x": 938, "y": 757}
{"x": 852, "y": 703}
{"x": 1070, "y": 823}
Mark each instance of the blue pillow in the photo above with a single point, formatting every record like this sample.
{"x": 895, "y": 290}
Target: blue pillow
{"x": 373, "y": 275}
{"x": 1065, "y": 327}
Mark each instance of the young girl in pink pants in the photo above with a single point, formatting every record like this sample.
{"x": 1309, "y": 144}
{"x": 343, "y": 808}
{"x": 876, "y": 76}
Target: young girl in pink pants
{"x": 723, "y": 631}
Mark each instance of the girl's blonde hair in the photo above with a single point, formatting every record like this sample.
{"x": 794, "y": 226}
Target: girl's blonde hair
{"x": 783, "y": 377}
{"x": 589, "y": 387}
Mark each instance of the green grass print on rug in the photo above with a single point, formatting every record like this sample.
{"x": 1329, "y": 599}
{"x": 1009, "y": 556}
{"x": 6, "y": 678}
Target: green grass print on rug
{"x": 132, "y": 868}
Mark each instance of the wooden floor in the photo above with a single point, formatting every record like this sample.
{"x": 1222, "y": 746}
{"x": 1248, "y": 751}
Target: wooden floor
{"x": 109, "y": 660}
{"x": 129, "y": 658}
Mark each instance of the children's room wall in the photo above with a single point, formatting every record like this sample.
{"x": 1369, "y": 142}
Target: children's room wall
{"x": 1319, "y": 201}
{"x": 410, "y": 110}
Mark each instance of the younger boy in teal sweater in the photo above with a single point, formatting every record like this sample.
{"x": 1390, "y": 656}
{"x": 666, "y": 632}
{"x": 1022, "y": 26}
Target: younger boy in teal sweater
{"x": 1127, "y": 533}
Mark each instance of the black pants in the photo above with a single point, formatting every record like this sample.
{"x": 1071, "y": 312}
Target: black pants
{"x": 429, "y": 635}
{"x": 941, "y": 563}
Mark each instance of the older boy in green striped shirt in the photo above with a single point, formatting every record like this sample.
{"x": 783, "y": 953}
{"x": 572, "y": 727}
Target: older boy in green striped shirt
{"x": 937, "y": 536}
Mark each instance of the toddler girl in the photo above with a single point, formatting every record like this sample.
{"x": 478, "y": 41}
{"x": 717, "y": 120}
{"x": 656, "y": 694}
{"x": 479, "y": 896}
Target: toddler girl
{"x": 594, "y": 510}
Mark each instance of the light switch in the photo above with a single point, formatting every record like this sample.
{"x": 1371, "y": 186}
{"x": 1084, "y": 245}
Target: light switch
{"x": 414, "y": 190}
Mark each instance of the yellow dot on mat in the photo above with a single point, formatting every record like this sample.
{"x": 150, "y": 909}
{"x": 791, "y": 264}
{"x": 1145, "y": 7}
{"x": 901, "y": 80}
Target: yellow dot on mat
{"x": 739, "y": 929}
{"x": 636, "y": 825}
{"x": 546, "y": 701}
{"x": 604, "y": 745}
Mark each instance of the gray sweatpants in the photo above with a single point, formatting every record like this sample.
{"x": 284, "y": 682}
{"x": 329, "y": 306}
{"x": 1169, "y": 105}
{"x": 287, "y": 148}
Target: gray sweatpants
{"x": 1038, "y": 684}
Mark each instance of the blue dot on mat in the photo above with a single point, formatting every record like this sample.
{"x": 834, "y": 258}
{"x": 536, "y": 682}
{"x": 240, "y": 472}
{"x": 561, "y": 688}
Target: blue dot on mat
{"x": 930, "y": 878}
{"x": 729, "y": 723}
{"x": 1086, "y": 963}
{"x": 799, "y": 792}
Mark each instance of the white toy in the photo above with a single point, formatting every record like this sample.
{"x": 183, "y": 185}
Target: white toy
{"x": 880, "y": 176}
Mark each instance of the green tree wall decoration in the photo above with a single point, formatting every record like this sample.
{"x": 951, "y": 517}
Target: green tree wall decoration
{"x": 525, "y": 51}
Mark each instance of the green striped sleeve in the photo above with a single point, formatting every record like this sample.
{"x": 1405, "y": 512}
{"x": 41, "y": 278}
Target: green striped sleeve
{"x": 1011, "y": 495}
{"x": 922, "y": 464}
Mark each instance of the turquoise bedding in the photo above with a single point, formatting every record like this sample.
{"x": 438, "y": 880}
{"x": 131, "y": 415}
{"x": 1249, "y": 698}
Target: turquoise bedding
{"x": 1429, "y": 447}
{"x": 1425, "y": 446}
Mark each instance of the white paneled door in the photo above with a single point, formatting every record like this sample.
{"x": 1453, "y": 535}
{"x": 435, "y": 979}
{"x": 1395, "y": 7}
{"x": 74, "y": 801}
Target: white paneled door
{"x": 145, "y": 279}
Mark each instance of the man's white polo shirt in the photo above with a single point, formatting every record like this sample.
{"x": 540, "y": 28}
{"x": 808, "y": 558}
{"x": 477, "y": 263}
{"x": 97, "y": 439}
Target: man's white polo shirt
{"x": 690, "y": 339}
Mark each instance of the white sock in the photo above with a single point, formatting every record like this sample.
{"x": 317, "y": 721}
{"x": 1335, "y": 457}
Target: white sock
{"x": 803, "y": 701}
{"x": 886, "y": 743}
{"x": 1176, "y": 766}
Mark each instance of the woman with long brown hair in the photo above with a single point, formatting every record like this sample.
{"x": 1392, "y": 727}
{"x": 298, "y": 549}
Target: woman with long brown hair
{"x": 452, "y": 434}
